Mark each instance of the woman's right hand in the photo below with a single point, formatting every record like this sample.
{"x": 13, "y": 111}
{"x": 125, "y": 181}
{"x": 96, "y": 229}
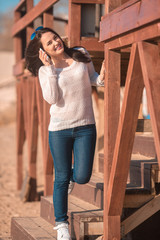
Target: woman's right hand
{"x": 44, "y": 58}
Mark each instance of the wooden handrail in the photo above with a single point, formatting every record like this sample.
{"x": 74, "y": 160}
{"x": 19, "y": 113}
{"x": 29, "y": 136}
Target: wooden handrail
{"x": 39, "y": 9}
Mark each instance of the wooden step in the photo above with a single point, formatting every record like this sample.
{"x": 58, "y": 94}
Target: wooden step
{"x": 144, "y": 145}
{"x": 85, "y": 219}
{"x": 140, "y": 172}
{"x": 91, "y": 192}
{"x": 31, "y": 228}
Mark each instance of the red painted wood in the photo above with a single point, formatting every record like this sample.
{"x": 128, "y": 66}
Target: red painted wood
{"x": 137, "y": 15}
{"x": 33, "y": 135}
{"x": 91, "y": 44}
{"x": 40, "y": 8}
{"x": 150, "y": 63}
{"x": 125, "y": 135}
{"x": 148, "y": 32}
{"x": 29, "y": 29}
{"x": 48, "y": 161}
{"x": 111, "y": 115}
{"x": 18, "y": 68}
{"x": 74, "y": 24}
{"x": 20, "y": 135}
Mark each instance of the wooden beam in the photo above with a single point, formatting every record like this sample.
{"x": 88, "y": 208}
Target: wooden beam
{"x": 39, "y": 9}
{"x": 136, "y": 200}
{"x": 33, "y": 133}
{"x": 141, "y": 215}
{"x": 91, "y": 44}
{"x": 150, "y": 62}
{"x": 48, "y": 161}
{"x": 117, "y": 6}
{"x": 137, "y": 15}
{"x": 74, "y": 24}
{"x": 111, "y": 118}
{"x": 18, "y": 68}
{"x": 29, "y": 29}
{"x": 20, "y": 135}
{"x": 148, "y": 32}
{"x": 125, "y": 134}
{"x": 48, "y": 18}
{"x": 111, "y": 5}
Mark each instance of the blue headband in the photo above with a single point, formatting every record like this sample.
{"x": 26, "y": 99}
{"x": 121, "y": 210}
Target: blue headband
{"x": 34, "y": 34}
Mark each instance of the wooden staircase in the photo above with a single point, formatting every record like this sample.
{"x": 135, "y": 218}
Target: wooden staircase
{"x": 86, "y": 201}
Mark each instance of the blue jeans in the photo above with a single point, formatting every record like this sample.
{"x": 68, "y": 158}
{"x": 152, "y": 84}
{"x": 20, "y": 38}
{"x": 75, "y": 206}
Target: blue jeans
{"x": 81, "y": 140}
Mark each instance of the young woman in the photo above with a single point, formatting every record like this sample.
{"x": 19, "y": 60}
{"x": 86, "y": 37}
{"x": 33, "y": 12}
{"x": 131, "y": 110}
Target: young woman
{"x": 66, "y": 76}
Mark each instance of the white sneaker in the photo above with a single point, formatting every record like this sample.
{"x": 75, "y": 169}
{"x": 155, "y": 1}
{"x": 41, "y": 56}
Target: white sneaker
{"x": 62, "y": 231}
{"x": 70, "y": 187}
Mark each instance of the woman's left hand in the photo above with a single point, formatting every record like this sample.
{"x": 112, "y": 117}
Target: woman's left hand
{"x": 102, "y": 72}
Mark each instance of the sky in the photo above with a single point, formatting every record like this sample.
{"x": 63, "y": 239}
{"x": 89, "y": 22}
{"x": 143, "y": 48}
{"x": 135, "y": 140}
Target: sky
{"x": 7, "y": 5}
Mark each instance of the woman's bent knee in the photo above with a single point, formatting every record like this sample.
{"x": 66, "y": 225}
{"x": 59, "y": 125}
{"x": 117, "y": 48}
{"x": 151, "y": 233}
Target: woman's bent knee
{"x": 82, "y": 180}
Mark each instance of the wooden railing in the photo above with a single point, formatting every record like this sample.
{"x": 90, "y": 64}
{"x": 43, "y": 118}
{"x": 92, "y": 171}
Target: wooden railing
{"x": 134, "y": 26}
{"x": 32, "y": 110}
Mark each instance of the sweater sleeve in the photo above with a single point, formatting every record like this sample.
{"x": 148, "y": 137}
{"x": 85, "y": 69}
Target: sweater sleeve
{"x": 49, "y": 84}
{"x": 94, "y": 76}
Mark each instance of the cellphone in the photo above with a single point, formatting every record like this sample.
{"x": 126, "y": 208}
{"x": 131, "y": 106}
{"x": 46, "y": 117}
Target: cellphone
{"x": 48, "y": 59}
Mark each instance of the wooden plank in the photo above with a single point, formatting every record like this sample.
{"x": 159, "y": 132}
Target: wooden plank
{"x": 29, "y": 29}
{"x": 18, "y": 68}
{"x": 32, "y": 154}
{"x": 39, "y": 99}
{"x": 74, "y": 24}
{"x": 92, "y": 44}
{"x": 117, "y": 6}
{"x": 141, "y": 215}
{"x": 48, "y": 18}
{"x": 146, "y": 33}
{"x": 110, "y": 6}
{"x": 113, "y": 230}
{"x": 89, "y": 1}
{"x": 150, "y": 62}
{"x": 125, "y": 134}
{"x": 20, "y": 135}
{"x": 48, "y": 161}
{"x": 137, "y": 15}
{"x": 111, "y": 118}
{"x": 39, "y": 9}
{"x": 136, "y": 200}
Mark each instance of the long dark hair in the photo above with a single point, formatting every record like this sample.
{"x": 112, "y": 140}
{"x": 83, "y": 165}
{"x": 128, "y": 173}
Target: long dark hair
{"x": 33, "y": 63}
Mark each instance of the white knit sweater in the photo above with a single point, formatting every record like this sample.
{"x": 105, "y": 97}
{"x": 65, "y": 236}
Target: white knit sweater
{"x": 68, "y": 90}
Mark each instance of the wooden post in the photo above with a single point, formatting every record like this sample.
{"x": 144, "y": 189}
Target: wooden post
{"x": 111, "y": 117}
{"x": 150, "y": 63}
{"x": 74, "y": 24}
{"x": 29, "y": 29}
{"x": 20, "y": 120}
{"x": 48, "y": 161}
{"x": 124, "y": 141}
{"x": 20, "y": 134}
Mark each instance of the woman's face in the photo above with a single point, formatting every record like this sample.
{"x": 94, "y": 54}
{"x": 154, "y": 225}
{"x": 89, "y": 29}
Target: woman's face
{"x": 52, "y": 44}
